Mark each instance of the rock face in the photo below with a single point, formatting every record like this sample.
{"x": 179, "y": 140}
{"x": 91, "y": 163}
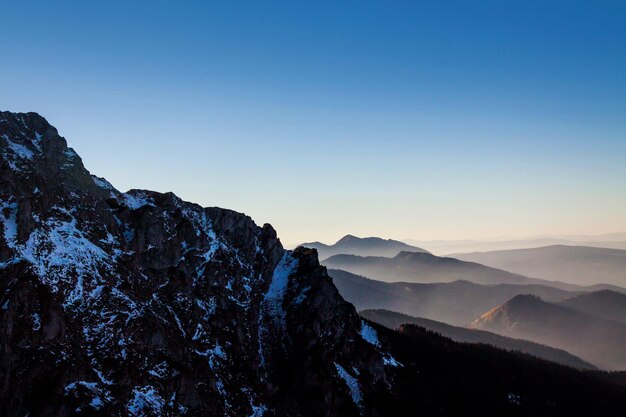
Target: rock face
{"x": 142, "y": 304}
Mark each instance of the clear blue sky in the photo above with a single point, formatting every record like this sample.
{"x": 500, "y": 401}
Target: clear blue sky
{"x": 416, "y": 120}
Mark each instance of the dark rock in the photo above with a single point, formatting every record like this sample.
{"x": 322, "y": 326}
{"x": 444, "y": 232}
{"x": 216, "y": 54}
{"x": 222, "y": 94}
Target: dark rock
{"x": 140, "y": 303}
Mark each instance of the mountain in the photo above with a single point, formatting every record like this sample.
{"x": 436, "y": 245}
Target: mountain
{"x": 394, "y": 320}
{"x": 598, "y": 341}
{"x": 578, "y": 265}
{"x": 362, "y": 246}
{"x": 610, "y": 305}
{"x": 456, "y": 303}
{"x": 141, "y": 304}
{"x": 427, "y": 268}
{"x": 452, "y": 247}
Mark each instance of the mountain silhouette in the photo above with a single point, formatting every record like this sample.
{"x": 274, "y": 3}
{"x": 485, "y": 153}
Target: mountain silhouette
{"x": 362, "y": 246}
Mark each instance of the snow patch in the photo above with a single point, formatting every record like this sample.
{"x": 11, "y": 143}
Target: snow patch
{"x": 146, "y": 401}
{"x": 208, "y": 308}
{"x": 212, "y": 354}
{"x": 96, "y": 403}
{"x": 389, "y": 360}
{"x": 37, "y": 140}
{"x": 19, "y": 150}
{"x": 74, "y": 385}
{"x": 8, "y": 216}
{"x": 70, "y": 156}
{"x": 258, "y": 410}
{"x": 272, "y": 303}
{"x": 352, "y": 383}
{"x": 102, "y": 183}
{"x": 368, "y": 334}
{"x": 64, "y": 249}
{"x": 214, "y": 246}
{"x": 160, "y": 370}
{"x": 275, "y": 294}
{"x": 139, "y": 200}
{"x": 90, "y": 388}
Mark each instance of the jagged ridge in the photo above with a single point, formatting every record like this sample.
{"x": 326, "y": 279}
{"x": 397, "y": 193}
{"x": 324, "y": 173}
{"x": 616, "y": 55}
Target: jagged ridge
{"x": 140, "y": 303}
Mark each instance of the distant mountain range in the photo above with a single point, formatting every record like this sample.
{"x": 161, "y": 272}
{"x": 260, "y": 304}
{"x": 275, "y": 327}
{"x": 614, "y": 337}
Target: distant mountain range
{"x": 448, "y": 247}
{"x": 572, "y": 264}
{"x": 394, "y": 320}
{"x": 596, "y": 340}
{"x": 456, "y": 303}
{"x": 366, "y": 246}
{"x": 420, "y": 267}
{"x": 610, "y": 305}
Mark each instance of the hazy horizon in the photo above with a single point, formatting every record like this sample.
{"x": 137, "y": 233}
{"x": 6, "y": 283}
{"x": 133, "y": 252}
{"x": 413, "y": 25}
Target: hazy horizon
{"x": 612, "y": 236}
{"x": 427, "y": 122}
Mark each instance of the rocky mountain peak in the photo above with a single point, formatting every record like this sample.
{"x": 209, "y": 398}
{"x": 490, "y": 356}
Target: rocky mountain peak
{"x": 142, "y": 304}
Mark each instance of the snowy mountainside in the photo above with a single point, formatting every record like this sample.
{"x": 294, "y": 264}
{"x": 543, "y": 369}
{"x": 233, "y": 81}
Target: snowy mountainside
{"x": 142, "y": 304}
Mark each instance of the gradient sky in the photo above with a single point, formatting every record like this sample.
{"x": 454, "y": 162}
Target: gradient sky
{"x": 424, "y": 120}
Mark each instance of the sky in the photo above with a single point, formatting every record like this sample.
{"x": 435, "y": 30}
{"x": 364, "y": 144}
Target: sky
{"x": 421, "y": 120}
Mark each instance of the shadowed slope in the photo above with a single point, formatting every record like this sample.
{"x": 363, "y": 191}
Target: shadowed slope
{"x": 456, "y": 303}
{"x": 591, "y": 338}
{"x": 395, "y": 320}
{"x": 610, "y": 305}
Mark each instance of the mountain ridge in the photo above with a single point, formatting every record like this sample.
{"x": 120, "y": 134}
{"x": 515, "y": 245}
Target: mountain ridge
{"x": 529, "y": 317}
{"x": 580, "y": 265}
{"x": 456, "y": 303}
{"x": 395, "y": 320}
{"x": 425, "y": 267}
{"x": 350, "y": 244}
{"x": 452, "y": 247}
{"x": 607, "y": 304}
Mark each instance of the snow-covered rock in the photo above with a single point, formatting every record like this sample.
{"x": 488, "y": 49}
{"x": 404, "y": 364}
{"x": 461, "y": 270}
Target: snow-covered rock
{"x": 142, "y": 304}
